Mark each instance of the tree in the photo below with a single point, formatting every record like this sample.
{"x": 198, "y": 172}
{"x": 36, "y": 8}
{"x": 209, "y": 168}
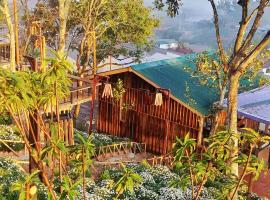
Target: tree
{"x": 208, "y": 71}
{"x": 242, "y": 57}
{"x": 83, "y": 153}
{"x": 24, "y": 95}
{"x": 4, "y": 9}
{"x": 115, "y": 23}
{"x": 245, "y": 50}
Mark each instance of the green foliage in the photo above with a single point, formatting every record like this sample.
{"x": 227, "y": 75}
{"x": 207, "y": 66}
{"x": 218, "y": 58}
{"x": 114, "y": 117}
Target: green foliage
{"x": 127, "y": 181}
{"x": 70, "y": 190}
{"x": 118, "y": 90}
{"x": 105, "y": 175}
{"x": 21, "y": 185}
{"x": 28, "y": 91}
{"x": 5, "y": 118}
{"x": 154, "y": 185}
{"x": 171, "y": 5}
{"x": 115, "y": 23}
{"x": 9, "y": 173}
{"x": 54, "y": 145}
{"x": 210, "y": 167}
{"x": 191, "y": 101}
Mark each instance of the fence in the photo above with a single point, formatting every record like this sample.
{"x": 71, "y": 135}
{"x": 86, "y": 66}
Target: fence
{"x": 4, "y": 52}
{"x": 126, "y": 147}
{"x": 156, "y": 160}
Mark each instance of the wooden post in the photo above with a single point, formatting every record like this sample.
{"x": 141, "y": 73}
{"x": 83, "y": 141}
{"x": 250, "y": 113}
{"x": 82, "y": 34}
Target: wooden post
{"x": 92, "y": 105}
{"x": 17, "y": 52}
{"x": 34, "y": 132}
{"x": 200, "y": 133}
{"x": 93, "y": 37}
{"x": 167, "y": 115}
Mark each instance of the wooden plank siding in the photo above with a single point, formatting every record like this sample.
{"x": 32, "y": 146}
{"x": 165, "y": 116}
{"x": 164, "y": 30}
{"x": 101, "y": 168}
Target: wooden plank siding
{"x": 141, "y": 120}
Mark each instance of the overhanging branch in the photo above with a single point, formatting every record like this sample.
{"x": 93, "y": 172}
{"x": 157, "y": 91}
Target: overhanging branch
{"x": 218, "y": 36}
{"x": 255, "y": 52}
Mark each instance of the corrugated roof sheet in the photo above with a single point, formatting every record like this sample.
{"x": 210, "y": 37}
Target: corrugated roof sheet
{"x": 255, "y": 104}
{"x": 171, "y": 74}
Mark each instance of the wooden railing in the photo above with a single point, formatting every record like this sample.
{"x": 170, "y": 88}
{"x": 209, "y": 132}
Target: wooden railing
{"x": 166, "y": 160}
{"x": 126, "y": 147}
{"x": 4, "y": 52}
{"x": 80, "y": 90}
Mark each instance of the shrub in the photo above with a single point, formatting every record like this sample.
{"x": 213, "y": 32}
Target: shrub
{"x": 10, "y": 133}
{"x": 168, "y": 193}
{"x": 5, "y": 119}
{"x": 10, "y": 173}
{"x": 102, "y": 139}
{"x": 105, "y": 175}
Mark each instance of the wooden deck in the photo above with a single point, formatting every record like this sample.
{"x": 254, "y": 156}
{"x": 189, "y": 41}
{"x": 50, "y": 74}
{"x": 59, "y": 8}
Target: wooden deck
{"x": 80, "y": 92}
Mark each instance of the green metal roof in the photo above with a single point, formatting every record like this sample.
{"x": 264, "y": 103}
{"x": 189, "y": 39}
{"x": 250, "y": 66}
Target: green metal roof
{"x": 171, "y": 74}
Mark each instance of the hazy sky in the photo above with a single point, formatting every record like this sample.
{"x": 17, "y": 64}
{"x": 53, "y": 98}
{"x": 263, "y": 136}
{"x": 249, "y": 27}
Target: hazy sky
{"x": 198, "y": 9}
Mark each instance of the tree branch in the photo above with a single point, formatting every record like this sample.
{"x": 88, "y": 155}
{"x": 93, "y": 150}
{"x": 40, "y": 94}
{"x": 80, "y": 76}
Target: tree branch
{"x": 218, "y": 36}
{"x": 254, "y": 53}
{"x": 243, "y": 26}
{"x": 255, "y": 25}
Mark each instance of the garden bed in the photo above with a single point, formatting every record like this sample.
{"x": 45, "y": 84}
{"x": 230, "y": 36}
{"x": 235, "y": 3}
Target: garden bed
{"x": 102, "y": 139}
{"x": 159, "y": 183}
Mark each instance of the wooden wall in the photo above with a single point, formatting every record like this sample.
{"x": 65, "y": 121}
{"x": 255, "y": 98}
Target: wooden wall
{"x": 242, "y": 122}
{"x": 141, "y": 120}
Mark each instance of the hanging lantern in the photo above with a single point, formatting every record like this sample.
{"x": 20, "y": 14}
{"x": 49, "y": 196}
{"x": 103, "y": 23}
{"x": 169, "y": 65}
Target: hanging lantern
{"x": 107, "y": 91}
{"x": 158, "y": 99}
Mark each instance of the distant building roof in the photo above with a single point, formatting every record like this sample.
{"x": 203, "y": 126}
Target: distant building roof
{"x": 122, "y": 62}
{"x": 255, "y": 104}
{"x": 165, "y": 41}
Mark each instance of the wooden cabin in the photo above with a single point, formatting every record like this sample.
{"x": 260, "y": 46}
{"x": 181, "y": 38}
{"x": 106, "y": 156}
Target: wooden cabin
{"x": 184, "y": 108}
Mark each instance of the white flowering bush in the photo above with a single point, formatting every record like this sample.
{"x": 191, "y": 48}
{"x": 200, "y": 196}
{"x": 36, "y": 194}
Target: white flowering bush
{"x": 169, "y": 193}
{"x": 102, "y": 139}
{"x": 155, "y": 186}
{"x": 101, "y": 191}
{"x": 9, "y": 133}
{"x": 148, "y": 179}
{"x": 146, "y": 193}
{"x": 10, "y": 173}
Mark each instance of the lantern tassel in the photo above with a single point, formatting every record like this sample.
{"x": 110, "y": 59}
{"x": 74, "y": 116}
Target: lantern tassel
{"x": 107, "y": 91}
{"x": 158, "y": 99}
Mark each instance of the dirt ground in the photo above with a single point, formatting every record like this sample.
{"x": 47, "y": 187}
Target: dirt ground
{"x": 100, "y": 163}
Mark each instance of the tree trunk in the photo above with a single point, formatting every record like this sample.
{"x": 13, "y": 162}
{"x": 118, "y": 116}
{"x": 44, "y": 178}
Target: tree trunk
{"x": 63, "y": 13}
{"x": 217, "y": 112}
{"x": 83, "y": 171}
{"x": 5, "y": 10}
{"x": 232, "y": 116}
